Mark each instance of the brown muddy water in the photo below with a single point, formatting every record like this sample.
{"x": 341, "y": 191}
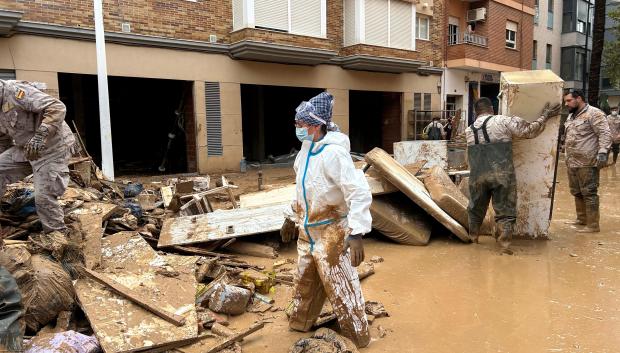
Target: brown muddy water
{"x": 558, "y": 295}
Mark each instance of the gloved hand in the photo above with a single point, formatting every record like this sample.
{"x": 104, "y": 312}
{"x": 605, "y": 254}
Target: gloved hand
{"x": 601, "y": 160}
{"x": 37, "y": 143}
{"x": 354, "y": 242}
{"x": 289, "y": 231}
{"x": 550, "y": 111}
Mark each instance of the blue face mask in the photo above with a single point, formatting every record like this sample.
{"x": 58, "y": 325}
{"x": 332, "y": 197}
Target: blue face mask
{"x": 302, "y": 134}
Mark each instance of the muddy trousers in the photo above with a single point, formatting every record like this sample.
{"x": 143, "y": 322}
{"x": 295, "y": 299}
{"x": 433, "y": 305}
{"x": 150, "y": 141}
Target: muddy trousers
{"x": 615, "y": 149}
{"x": 501, "y": 188}
{"x": 11, "y": 314}
{"x": 318, "y": 278}
{"x": 50, "y": 176}
{"x": 583, "y": 184}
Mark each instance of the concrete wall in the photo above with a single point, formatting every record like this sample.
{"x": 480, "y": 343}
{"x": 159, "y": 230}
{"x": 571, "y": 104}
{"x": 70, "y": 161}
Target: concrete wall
{"x": 553, "y": 36}
{"x": 40, "y": 59}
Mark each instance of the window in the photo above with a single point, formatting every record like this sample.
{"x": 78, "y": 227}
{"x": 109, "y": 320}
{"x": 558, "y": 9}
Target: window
{"x": 550, "y": 14}
{"x": 568, "y": 15}
{"x": 511, "y": 35}
{"x": 423, "y": 27}
{"x": 535, "y": 55}
{"x": 536, "y": 12}
{"x": 386, "y": 23}
{"x": 453, "y": 30}
{"x": 548, "y": 57}
{"x": 582, "y": 17}
{"x": 572, "y": 63}
{"x": 303, "y": 17}
{"x": 417, "y": 101}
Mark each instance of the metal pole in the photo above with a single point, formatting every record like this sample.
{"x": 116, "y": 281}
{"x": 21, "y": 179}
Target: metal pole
{"x": 107, "y": 158}
{"x": 585, "y": 63}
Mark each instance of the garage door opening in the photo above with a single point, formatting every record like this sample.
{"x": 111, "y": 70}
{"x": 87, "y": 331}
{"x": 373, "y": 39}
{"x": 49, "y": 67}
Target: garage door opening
{"x": 268, "y": 114}
{"x": 374, "y": 120}
{"x": 143, "y": 113}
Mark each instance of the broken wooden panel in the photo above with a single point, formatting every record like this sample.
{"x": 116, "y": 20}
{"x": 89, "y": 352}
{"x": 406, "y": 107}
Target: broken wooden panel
{"x": 433, "y": 152}
{"x": 524, "y": 94}
{"x": 414, "y": 189}
{"x": 378, "y": 186}
{"x": 119, "y": 324}
{"x": 399, "y": 219}
{"x": 91, "y": 217}
{"x": 222, "y": 224}
{"x": 450, "y": 198}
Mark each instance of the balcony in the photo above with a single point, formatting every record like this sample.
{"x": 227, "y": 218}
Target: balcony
{"x": 468, "y": 38}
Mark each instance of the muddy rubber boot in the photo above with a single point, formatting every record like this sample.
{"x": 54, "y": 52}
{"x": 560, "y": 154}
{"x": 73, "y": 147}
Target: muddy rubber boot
{"x": 505, "y": 238}
{"x": 593, "y": 225}
{"x": 580, "y": 208}
{"x": 474, "y": 234}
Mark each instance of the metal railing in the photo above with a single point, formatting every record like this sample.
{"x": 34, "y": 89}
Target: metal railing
{"x": 469, "y": 38}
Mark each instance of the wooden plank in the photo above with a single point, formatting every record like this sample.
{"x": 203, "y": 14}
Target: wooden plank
{"x": 222, "y": 342}
{"x": 252, "y": 249}
{"x": 119, "y": 324}
{"x": 414, "y": 189}
{"x": 136, "y": 298}
{"x": 91, "y": 217}
{"x": 214, "y": 226}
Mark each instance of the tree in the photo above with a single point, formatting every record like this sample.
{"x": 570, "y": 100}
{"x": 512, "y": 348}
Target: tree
{"x": 611, "y": 54}
{"x": 598, "y": 42}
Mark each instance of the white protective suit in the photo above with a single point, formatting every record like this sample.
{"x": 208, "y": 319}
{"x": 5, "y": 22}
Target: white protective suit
{"x": 333, "y": 201}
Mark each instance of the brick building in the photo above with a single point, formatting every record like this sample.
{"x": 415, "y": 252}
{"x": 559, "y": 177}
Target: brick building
{"x": 485, "y": 38}
{"x": 234, "y": 70}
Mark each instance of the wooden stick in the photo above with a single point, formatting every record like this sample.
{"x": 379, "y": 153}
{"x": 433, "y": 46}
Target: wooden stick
{"x": 136, "y": 298}
{"x": 235, "y": 338}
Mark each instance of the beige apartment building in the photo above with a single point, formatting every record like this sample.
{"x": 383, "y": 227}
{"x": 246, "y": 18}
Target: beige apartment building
{"x": 225, "y": 77}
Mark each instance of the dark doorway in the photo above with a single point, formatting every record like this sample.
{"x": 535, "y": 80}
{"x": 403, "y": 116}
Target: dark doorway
{"x": 268, "y": 114}
{"x": 490, "y": 90}
{"x": 142, "y": 115}
{"x": 374, "y": 120}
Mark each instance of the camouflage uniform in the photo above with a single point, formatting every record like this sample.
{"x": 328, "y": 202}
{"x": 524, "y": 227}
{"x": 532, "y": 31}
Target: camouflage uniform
{"x": 492, "y": 174}
{"x": 23, "y": 109}
{"x": 587, "y": 135}
{"x": 614, "y": 127}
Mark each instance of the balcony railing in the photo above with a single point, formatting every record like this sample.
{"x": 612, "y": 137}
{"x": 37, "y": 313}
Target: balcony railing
{"x": 467, "y": 38}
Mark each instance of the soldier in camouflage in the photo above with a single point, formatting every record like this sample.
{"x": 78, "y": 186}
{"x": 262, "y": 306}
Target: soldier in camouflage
{"x": 587, "y": 144}
{"x": 34, "y": 138}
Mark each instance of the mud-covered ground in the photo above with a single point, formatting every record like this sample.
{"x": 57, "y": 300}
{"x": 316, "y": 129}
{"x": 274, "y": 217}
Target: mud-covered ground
{"x": 558, "y": 295}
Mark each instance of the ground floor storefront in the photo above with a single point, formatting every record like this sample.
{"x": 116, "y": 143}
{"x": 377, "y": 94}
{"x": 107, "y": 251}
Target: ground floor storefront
{"x": 181, "y": 111}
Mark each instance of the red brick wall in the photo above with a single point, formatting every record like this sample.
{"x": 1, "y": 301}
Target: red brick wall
{"x": 494, "y": 28}
{"x": 180, "y": 19}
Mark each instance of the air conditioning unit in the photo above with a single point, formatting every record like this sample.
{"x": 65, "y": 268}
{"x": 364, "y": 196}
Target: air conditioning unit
{"x": 476, "y": 15}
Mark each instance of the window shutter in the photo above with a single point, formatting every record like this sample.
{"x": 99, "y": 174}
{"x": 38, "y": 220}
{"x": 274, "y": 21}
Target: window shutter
{"x": 272, "y": 14}
{"x": 400, "y": 24}
{"x": 349, "y": 22}
{"x": 214, "y": 119}
{"x": 306, "y": 17}
{"x": 237, "y": 8}
{"x": 376, "y": 17}
{"x": 511, "y": 26}
{"x": 453, "y": 21}
{"x": 7, "y": 75}
{"x": 427, "y": 101}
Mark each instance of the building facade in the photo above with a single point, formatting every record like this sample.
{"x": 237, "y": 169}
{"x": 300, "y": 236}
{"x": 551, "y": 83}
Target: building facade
{"x": 223, "y": 78}
{"x": 546, "y": 48}
{"x": 485, "y": 38}
{"x": 612, "y": 92}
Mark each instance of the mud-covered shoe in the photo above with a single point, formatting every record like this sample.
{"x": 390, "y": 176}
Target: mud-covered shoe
{"x": 589, "y": 229}
{"x": 575, "y": 223}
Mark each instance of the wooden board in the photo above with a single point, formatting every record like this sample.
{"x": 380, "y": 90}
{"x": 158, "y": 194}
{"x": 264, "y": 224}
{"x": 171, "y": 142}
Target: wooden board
{"x": 119, "y": 324}
{"x": 524, "y": 94}
{"x": 214, "y": 226}
{"x": 91, "y": 217}
{"x": 414, "y": 189}
{"x": 378, "y": 186}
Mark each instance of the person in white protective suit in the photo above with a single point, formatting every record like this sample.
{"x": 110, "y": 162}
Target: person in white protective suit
{"x": 330, "y": 215}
